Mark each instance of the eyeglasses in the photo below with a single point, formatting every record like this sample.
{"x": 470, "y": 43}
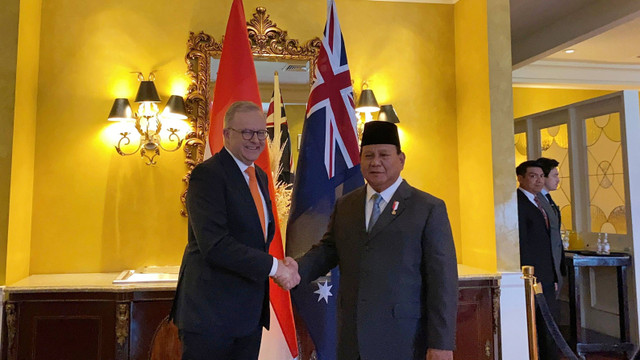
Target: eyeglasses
{"x": 248, "y": 134}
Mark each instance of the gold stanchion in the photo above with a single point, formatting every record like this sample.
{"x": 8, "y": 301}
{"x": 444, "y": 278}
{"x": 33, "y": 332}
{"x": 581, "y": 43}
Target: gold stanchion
{"x": 529, "y": 286}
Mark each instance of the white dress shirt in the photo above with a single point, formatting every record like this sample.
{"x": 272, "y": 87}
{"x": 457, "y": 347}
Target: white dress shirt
{"x": 530, "y": 196}
{"x": 386, "y": 195}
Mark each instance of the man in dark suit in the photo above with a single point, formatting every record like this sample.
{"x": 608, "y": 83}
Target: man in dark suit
{"x": 398, "y": 270}
{"x": 535, "y": 246}
{"x": 222, "y": 298}
{"x": 551, "y": 182}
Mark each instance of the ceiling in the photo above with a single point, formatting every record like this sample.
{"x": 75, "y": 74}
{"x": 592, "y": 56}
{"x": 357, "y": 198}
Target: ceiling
{"x": 604, "y": 35}
{"x": 620, "y": 45}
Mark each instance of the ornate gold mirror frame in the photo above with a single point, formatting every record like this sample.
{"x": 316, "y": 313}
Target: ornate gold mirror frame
{"x": 268, "y": 41}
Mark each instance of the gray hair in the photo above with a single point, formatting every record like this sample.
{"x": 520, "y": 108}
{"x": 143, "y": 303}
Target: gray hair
{"x": 239, "y": 106}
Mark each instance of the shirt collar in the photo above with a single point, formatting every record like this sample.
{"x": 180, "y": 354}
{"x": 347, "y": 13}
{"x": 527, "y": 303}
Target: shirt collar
{"x": 387, "y": 193}
{"x": 243, "y": 167}
{"x": 544, "y": 191}
{"x": 529, "y": 195}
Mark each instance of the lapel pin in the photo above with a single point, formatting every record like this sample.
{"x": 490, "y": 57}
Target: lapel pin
{"x": 395, "y": 207}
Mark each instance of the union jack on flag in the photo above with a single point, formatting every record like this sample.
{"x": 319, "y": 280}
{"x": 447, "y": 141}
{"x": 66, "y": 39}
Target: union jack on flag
{"x": 328, "y": 166}
{"x": 332, "y": 91}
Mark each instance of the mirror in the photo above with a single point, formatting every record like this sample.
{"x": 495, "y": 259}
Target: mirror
{"x": 272, "y": 50}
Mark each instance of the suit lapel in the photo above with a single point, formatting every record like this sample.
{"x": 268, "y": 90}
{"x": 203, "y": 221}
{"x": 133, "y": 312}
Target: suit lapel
{"x": 239, "y": 183}
{"x": 532, "y": 207}
{"x": 551, "y": 212}
{"x": 388, "y": 215}
{"x": 357, "y": 209}
{"x": 263, "y": 183}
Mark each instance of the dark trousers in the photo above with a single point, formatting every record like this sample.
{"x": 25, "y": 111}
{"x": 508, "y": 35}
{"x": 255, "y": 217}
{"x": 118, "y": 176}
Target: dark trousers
{"x": 219, "y": 346}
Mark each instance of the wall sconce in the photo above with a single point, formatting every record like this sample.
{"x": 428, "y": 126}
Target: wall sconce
{"x": 388, "y": 113}
{"x": 148, "y": 120}
{"x": 367, "y": 104}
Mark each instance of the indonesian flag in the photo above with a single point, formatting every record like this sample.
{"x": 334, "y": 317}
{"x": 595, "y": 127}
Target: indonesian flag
{"x": 237, "y": 81}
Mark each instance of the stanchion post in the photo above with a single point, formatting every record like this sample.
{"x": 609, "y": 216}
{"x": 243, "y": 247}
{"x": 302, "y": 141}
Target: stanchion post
{"x": 529, "y": 284}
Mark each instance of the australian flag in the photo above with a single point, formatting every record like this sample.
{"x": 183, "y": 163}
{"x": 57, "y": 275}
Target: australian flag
{"x": 328, "y": 167}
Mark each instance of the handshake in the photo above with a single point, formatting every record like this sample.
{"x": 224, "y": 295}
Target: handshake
{"x": 287, "y": 276}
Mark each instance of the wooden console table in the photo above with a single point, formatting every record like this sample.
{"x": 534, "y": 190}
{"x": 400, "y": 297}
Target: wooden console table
{"x": 86, "y": 316}
{"x": 584, "y": 259}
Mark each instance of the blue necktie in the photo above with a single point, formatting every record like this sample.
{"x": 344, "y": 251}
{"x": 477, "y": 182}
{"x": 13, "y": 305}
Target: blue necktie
{"x": 375, "y": 212}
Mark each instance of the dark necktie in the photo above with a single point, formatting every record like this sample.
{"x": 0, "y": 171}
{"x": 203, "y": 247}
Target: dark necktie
{"x": 544, "y": 213}
{"x": 554, "y": 206}
{"x": 375, "y": 211}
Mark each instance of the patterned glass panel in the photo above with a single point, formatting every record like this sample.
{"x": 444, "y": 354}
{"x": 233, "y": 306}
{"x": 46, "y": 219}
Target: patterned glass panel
{"x": 606, "y": 174}
{"x": 520, "y": 140}
{"x": 554, "y": 142}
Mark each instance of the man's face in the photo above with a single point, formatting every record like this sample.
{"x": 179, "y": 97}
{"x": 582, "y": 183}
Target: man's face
{"x": 246, "y": 151}
{"x": 551, "y": 182}
{"x": 381, "y": 165}
{"x": 533, "y": 180}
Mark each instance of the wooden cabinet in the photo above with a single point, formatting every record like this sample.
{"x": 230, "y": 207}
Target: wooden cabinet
{"x": 115, "y": 322}
{"x": 74, "y": 325}
{"x": 478, "y": 325}
{"x": 478, "y": 322}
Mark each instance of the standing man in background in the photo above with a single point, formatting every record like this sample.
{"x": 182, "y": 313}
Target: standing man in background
{"x": 398, "y": 271}
{"x": 222, "y": 298}
{"x": 551, "y": 182}
{"x": 535, "y": 245}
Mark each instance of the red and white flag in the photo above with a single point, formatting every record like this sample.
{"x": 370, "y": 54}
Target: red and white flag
{"x": 237, "y": 81}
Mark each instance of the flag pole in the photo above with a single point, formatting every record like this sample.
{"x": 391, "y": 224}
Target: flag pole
{"x": 277, "y": 112}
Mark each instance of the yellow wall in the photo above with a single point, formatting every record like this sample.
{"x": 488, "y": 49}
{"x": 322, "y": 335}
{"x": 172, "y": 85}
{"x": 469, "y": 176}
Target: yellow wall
{"x": 527, "y": 101}
{"x": 482, "y": 63}
{"x": 24, "y": 131}
{"x": 8, "y": 63}
{"x": 94, "y": 210}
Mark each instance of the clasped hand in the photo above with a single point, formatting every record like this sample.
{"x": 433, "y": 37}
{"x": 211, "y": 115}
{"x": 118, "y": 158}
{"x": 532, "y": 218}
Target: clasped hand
{"x": 287, "y": 276}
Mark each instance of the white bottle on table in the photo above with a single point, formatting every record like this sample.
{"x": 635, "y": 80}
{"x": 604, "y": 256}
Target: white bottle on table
{"x": 606, "y": 248}
{"x": 599, "y": 247}
{"x": 565, "y": 240}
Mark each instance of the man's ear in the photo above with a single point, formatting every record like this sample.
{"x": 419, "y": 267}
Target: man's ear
{"x": 403, "y": 157}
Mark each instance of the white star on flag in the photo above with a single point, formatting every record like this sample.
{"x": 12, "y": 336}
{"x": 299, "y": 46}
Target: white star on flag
{"x": 324, "y": 291}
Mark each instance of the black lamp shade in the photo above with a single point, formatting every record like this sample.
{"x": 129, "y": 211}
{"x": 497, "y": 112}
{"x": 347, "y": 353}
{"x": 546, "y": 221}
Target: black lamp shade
{"x": 175, "y": 108}
{"x": 121, "y": 110}
{"x": 388, "y": 113}
{"x": 147, "y": 92}
{"x": 367, "y": 102}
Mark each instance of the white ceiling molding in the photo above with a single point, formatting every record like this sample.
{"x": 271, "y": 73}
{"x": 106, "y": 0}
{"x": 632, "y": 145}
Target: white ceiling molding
{"x": 446, "y": 2}
{"x": 577, "y": 75}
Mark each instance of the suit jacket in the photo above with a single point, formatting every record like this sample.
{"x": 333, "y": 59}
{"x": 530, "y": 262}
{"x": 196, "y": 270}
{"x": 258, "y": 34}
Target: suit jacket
{"x": 223, "y": 282}
{"x": 535, "y": 243}
{"x": 398, "y": 284}
{"x": 557, "y": 251}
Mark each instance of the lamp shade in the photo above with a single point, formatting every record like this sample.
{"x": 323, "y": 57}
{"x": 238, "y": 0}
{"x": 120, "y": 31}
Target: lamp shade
{"x": 388, "y": 113}
{"x": 367, "y": 102}
{"x": 121, "y": 110}
{"x": 175, "y": 108}
{"x": 147, "y": 92}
